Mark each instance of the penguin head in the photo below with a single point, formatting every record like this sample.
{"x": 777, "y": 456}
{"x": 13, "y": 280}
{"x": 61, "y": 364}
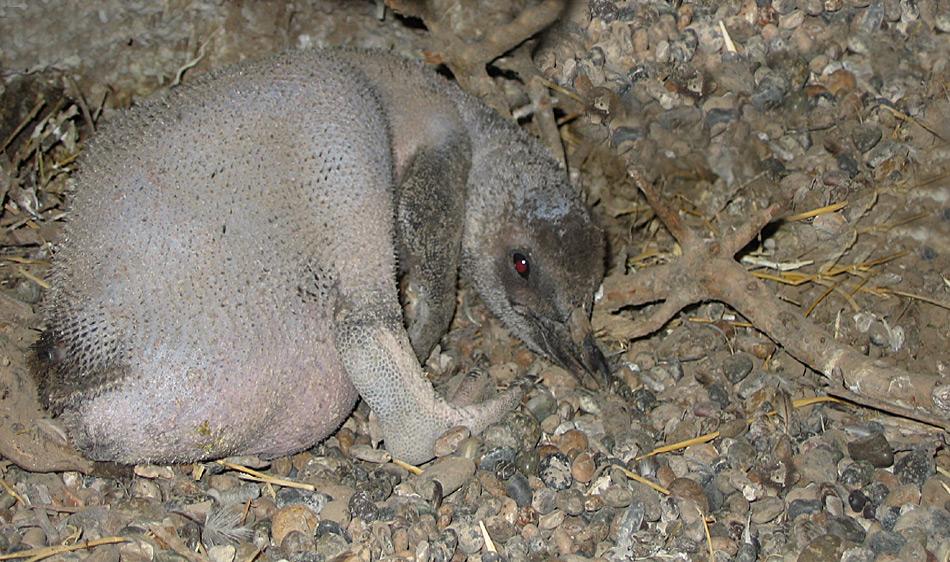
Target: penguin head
{"x": 537, "y": 258}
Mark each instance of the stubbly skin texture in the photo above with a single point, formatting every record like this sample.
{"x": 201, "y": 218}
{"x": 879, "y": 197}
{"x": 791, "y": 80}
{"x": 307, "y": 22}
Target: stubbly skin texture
{"x": 230, "y": 279}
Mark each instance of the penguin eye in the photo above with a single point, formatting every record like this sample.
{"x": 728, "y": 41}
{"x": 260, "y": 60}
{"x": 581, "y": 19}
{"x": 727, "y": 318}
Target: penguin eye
{"x": 521, "y": 265}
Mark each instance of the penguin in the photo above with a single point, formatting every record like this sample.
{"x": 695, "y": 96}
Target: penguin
{"x": 248, "y": 255}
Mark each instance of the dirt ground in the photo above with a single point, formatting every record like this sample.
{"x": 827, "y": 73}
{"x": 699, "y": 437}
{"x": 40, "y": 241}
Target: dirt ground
{"x": 835, "y": 111}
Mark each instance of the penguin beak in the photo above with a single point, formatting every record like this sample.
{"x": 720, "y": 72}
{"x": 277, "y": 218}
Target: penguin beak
{"x": 572, "y": 346}
{"x": 594, "y": 361}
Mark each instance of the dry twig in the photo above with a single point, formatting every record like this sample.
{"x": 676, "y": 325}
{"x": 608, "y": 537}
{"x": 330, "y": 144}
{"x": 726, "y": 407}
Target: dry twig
{"x": 409, "y": 467}
{"x": 13, "y": 493}
{"x": 257, "y": 476}
{"x": 33, "y": 554}
{"x": 637, "y": 478}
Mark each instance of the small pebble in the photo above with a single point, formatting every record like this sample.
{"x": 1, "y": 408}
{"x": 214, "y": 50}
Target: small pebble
{"x": 331, "y": 527}
{"x": 819, "y": 465}
{"x": 770, "y": 92}
{"x": 720, "y": 397}
{"x": 934, "y": 493}
{"x": 329, "y": 546}
{"x": 443, "y": 547}
{"x": 823, "y": 548}
{"x": 431, "y": 492}
{"x": 152, "y": 471}
{"x": 846, "y": 528}
{"x": 747, "y": 553}
{"x": 136, "y": 550}
{"x": 571, "y": 501}
{"x": 497, "y": 455}
{"x": 525, "y": 429}
{"x": 915, "y": 467}
{"x": 293, "y": 518}
{"x": 583, "y": 467}
{"x": 798, "y": 508}
{"x": 857, "y": 500}
{"x": 875, "y": 492}
{"x": 221, "y": 553}
{"x": 886, "y": 542}
{"x": 527, "y": 462}
{"x": 857, "y": 474}
{"x": 841, "y": 82}
{"x": 617, "y": 496}
{"x": 883, "y": 152}
{"x": 369, "y": 454}
{"x": 848, "y": 164}
{"x": 551, "y": 520}
{"x": 767, "y": 509}
{"x": 519, "y": 489}
{"x": 874, "y": 449}
{"x": 290, "y": 496}
{"x": 362, "y": 507}
{"x": 903, "y": 495}
{"x": 866, "y": 137}
{"x": 943, "y": 22}
{"x": 593, "y": 504}
{"x": 296, "y": 543}
{"x": 791, "y": 20}
{"x": 146, "y": 490}
{"x": 544, "y": 500}
{"x": 450, "y": 472}
{"x": 690, "y": 489}
{"x": 737, "y": 367}
{"x": 572, "y": 442}
{"x": 541, "y": 405}
{"x": 34, "y": 537}
{"x": 470, "y": 538}
{"x": 505, "y": 469}
{"x": 555, "y": 471}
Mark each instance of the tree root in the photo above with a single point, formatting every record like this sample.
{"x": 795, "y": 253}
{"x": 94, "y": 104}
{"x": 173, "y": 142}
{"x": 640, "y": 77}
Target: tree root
{"x": 542, "y": 105}
{"x": 468, "y": 60}
{"x": 707, "y": 271}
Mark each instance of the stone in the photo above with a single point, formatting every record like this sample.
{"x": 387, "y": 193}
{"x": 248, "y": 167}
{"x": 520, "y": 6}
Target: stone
{"x": 292, "y": 518}
{"x": 874, "y": 449}
{"x": 915, "y": 467}
{"x": 866, "y": 137}
{"x": 555, "y": 471}
{"x": 822, "y": 549}
{"x": 737, "y": 367}
{"x": 857, "y": 474}
{"x": 767, "y": 509}
{"x": 450, "y": 472}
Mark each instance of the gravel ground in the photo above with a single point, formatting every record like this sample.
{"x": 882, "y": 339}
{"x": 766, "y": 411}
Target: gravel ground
{"x": 726, "y": 106}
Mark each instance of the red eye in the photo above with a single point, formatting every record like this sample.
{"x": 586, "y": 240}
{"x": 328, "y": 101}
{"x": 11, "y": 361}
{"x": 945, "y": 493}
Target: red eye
{"x": 520, "y": 261}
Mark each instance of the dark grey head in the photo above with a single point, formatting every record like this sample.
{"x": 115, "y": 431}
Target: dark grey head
{"x": 536, "y": 256}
